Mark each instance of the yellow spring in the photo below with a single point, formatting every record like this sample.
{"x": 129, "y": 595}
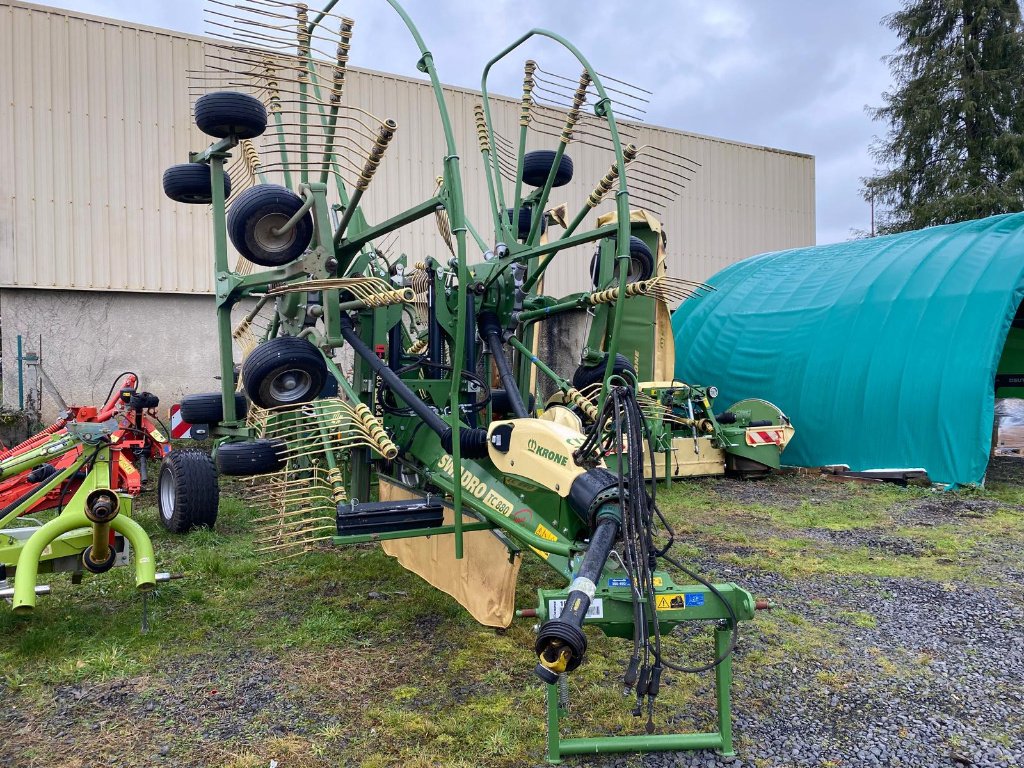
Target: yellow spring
{"x": 302, "y": 48}
{"x": 375, "y": 429}
{"x": 337, "y": 482}
{"x": 577, "y": 102}
{"x": 386, "y": 298}
{"x": 344, "y": 45}
{"x": 273, "y": 92}
{"x": 384, "y": 136}
{"x": 610, "y": 295}
{"x": 252, "y": 157}
{"x": 417, "y": 347}
{"x": 481, "y": 128}
{"x": 524, "y": 111}
{"x": 575, "y": 397}
{"x": 629, "y": 154}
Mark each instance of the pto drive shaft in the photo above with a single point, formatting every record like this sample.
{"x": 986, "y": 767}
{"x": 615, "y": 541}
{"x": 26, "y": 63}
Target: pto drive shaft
{"x": 561, "y": 643}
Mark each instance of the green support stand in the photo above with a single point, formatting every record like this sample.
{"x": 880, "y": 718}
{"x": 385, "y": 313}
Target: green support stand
{"x": 720, "y": 741}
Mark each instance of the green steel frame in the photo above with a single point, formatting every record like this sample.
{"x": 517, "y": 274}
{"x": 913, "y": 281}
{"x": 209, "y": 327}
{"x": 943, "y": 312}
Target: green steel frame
{"x": 506, "y": 285}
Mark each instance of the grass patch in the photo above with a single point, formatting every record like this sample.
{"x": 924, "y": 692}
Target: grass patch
{"x": 346, "y": 658}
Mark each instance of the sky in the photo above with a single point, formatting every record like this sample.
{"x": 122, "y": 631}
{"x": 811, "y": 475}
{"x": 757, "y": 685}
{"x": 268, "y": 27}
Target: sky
{"x": 791, "y": 74}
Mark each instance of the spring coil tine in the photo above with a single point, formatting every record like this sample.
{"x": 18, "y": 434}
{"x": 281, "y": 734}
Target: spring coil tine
{"x": 387, "y": 132}
{"x": 341, "y": 59}
{"x": 303, "y": 41}
{"x": 577, "y": 101}
{"x": 481, "y": 128}
{"x": 604, "y": 186}
{"x": 583, "y": 403}
{"x": 528, "y": 84}
{"x": 386, "y": 448}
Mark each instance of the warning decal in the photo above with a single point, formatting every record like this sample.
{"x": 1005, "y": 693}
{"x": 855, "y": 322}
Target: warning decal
{"x": 671, "y": 602}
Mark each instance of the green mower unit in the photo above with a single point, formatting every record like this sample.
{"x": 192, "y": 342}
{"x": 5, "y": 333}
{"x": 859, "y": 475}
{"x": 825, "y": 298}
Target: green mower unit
{"x": 393, "y": 398}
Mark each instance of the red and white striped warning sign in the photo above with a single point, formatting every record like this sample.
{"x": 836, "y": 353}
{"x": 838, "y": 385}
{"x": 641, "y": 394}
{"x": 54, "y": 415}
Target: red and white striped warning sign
{"x": 180, "y": 428}
{"x": 761, "y": 436}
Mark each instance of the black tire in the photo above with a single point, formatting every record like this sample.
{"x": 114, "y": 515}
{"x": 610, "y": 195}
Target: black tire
{"x": 208, "y": 408}
{"x": 526, "y": 221}
{"x": 257, "y": 457}
{"x": 255, "y": 213}
{"x": 187, "y": 494}
{"x": 284, "y": 371}
{"x": 586, "y": 375}
{"x": 103, "y": 567}
{"x": 641, "y": 263}
{"x": 537, "y": 165}
{"x": 190, "y": 183}
{"x": 228, "y": 113}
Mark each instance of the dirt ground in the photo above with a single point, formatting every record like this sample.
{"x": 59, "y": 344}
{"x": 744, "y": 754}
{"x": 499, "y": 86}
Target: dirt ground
{"x": 898, "y": 640}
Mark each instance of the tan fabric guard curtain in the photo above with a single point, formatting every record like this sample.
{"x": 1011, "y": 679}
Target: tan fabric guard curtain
{"x": 483, "y": 581}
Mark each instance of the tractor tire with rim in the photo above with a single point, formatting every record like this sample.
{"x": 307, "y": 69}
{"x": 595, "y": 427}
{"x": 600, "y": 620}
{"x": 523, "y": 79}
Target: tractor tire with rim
{"x": 257, "y": 457}
{"x": 587, "y": 375}
{"x": 537, "y": 165}
{"x": 228, "y": 113}
{"x": 641, "y": 263}
{"x": 190, "y": 183}
{"x": 284, "y": 371}
{"x": 187, "y": 493}
{"x": 208, "y": 408}
{"x": 258, "y": 211}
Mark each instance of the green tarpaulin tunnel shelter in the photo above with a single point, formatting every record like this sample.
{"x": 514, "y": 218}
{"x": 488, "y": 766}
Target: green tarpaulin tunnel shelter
{"x": 884, "y": 352}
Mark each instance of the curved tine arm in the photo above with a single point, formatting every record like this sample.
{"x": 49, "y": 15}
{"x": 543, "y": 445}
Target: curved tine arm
{"x": 602, "y": 109}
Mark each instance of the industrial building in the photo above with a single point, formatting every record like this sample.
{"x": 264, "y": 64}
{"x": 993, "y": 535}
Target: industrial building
{"x": 102, "y": 273}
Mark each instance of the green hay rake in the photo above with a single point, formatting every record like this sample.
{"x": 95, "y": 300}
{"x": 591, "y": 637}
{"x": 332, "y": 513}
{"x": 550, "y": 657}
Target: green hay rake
{"x": 363, "y": 374}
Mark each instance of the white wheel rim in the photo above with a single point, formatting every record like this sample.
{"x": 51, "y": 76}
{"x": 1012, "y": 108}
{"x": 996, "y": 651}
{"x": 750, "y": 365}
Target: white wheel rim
{"x": 166, "y": 495}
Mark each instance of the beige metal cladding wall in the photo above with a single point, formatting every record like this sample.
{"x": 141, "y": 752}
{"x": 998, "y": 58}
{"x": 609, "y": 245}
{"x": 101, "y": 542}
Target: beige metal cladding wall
{"x": 96, "y": 110}
{"x": 93, "y": 113}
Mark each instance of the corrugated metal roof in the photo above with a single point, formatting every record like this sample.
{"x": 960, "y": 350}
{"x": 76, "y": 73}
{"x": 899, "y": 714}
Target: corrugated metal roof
{"x": 97, "y": 109}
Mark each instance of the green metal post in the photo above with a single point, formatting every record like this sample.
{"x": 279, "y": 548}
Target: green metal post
{"x": 220, "y": 260}
{"x": 554, "y": 716}
{"x": 21, "y": 376}
{"x": 723, "y": 686}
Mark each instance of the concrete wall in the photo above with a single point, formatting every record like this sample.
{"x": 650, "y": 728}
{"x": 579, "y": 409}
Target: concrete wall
{"x": 89, "y": 337}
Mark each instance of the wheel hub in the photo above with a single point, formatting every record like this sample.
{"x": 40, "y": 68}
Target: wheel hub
{"x": 265, "y": 236}
{"x": 290, "y": 386}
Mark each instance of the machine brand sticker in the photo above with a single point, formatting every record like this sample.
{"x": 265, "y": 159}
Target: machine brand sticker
{"x": 595, "y": 611}
{"x": 671, "y": 602}
{"x": 546, "y": 453}
{"x": 694, "y": 599}
{"x": 623, "y": 582}
{"x": 470, "y": 483}
{"x": 497, "y": 502}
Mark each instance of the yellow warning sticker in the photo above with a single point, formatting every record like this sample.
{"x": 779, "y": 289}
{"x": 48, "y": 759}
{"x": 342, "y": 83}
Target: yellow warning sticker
{"x": 671, "y": 602}
{"x": 544, "y": 533}
{"x": 126, "y": 466}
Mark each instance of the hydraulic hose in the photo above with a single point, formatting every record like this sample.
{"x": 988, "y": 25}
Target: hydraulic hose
{"x": 561, "y": 644}
{"x": 472, "y": 441}
{"x": 490, "y": 329}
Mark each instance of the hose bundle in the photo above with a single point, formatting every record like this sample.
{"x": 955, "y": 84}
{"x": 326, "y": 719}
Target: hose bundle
{"x": 620, "y": 429}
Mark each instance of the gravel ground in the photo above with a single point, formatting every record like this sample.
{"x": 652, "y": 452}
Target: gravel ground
{"x": 898, "y": 672}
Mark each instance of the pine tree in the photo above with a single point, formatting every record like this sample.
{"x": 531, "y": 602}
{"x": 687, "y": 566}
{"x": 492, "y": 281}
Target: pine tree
{"x": 955, "y": 146}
